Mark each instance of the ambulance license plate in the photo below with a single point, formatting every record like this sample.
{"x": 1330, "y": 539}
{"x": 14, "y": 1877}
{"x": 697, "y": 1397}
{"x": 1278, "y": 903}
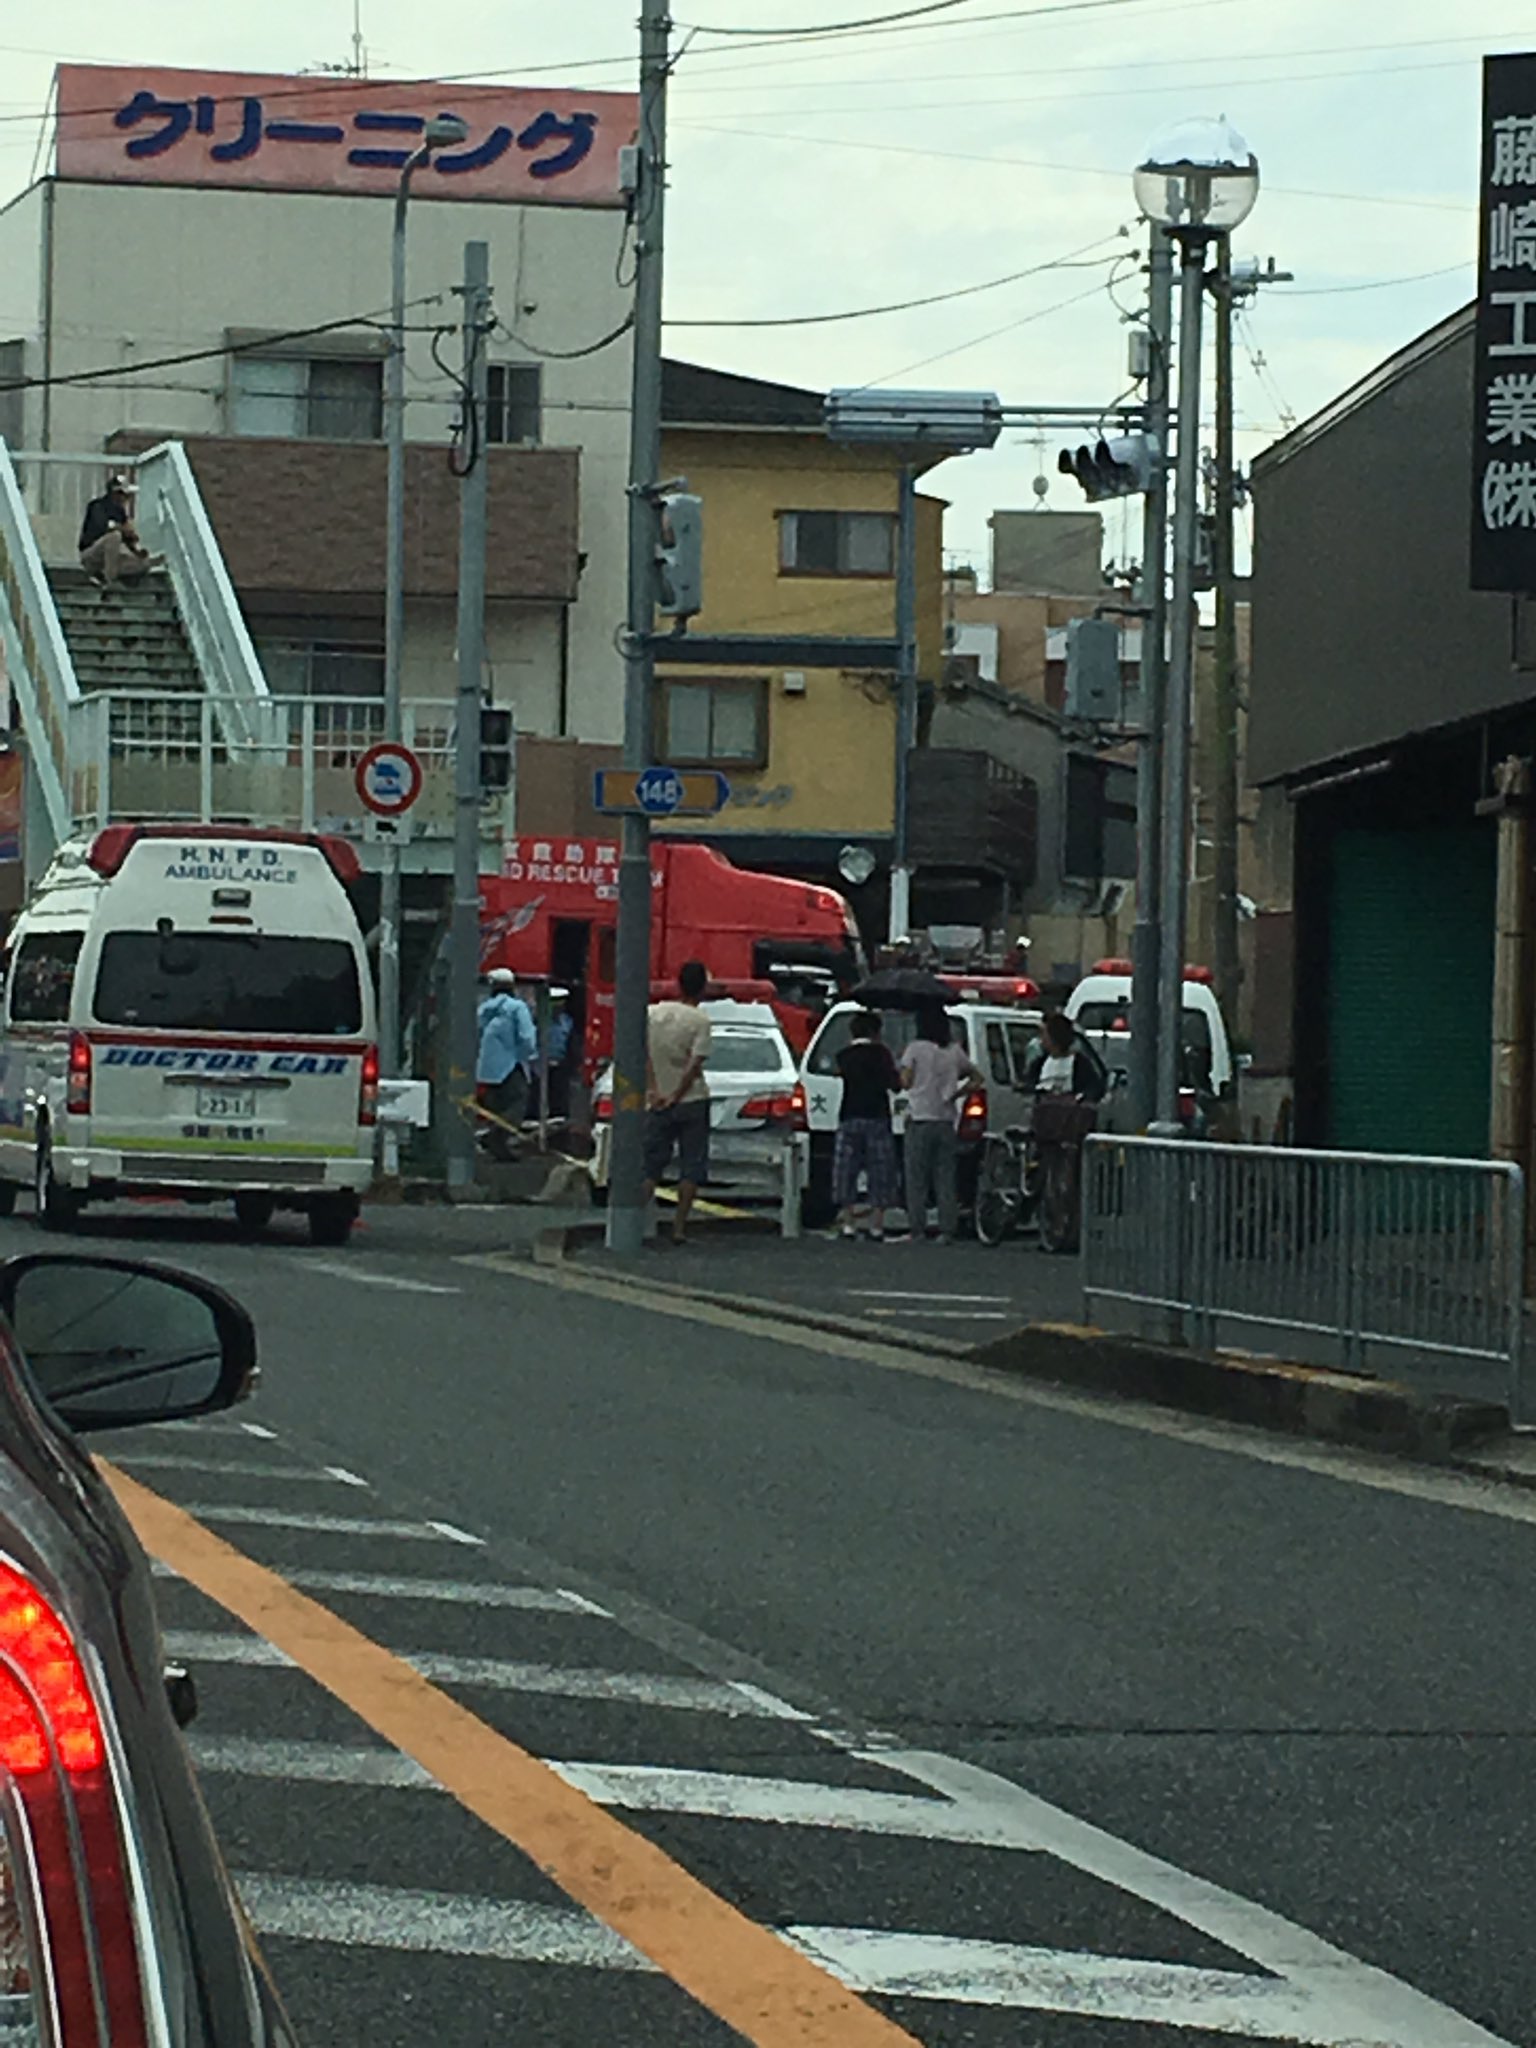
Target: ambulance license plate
{"x": 226, "y": 1105}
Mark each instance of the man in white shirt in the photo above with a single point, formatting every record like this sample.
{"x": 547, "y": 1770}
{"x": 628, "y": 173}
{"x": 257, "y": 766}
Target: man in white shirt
{"x": 677, "y": 1049}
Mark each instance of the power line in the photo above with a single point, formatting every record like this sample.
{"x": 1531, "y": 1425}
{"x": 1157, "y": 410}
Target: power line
{"x": 1054, "y": 164}
{"x": 1377, "y": 284}
{"x": 832, "y": 28}
{"x": 202, "y": 355}
{"x": 757, "y": 83}
{"x": 943, "y": 354}
{"x": 964, "y": 291}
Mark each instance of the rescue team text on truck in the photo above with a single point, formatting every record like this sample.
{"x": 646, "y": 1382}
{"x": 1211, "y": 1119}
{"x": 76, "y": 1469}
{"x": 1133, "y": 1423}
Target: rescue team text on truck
{"x": 552, "y": 913}
{"x": 191, "y": 1013}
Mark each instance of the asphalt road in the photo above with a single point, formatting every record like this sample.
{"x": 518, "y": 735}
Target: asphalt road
{"x": 1033, "y": 1721}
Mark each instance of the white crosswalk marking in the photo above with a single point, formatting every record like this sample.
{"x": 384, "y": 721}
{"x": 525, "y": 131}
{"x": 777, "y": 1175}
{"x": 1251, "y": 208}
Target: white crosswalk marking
{"x": 433, "y": 1923}
{"x": 308, "y": 1763}
{"x": 639, "y": 1688}
{"x": 447, "y": 1592}
{"x": 235, "y": 1468}
{"x": 1051, "y": 1980}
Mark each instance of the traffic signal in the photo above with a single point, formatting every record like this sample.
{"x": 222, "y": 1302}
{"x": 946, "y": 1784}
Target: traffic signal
{"x": 680, "y": 554}
{"x": 1112, "y": 469}
{"x": 495, "y": 749}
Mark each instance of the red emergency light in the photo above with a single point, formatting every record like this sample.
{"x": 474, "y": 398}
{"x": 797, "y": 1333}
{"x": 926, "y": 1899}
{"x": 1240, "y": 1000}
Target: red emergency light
{"x": 111, "y": 846}
{"x": 1200, "y": 974}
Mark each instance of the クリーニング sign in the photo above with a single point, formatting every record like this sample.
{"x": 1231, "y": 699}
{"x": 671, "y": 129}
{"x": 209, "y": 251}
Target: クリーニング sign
{"x": 125, "y": 124}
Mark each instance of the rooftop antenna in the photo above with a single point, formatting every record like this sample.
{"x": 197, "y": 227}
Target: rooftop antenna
{"x": 356, "y": 66}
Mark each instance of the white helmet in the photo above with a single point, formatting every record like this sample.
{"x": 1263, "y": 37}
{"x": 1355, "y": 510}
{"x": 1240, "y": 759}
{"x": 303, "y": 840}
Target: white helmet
{"x": 502, "y": 977}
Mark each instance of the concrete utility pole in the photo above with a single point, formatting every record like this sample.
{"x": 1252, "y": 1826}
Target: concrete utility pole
{"x": 1146, "y": 938}
{"x": 464, "y": 931}
{"x": 632, "y": 974}
{"x": 1175, "y": 828}
{"x": 899, "y": 922}
{"x": 1224, "y": 769}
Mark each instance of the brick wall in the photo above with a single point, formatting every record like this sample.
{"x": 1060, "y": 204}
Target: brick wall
{"x": 308, "y": 516}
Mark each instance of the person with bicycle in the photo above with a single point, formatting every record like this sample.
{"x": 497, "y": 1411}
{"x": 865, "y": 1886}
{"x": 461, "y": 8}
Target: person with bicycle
{"x": 1068, "y": 1081}
{"x": 1065, "y": 1063}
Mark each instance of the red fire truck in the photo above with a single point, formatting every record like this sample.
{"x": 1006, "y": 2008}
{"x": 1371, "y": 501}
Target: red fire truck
{"x": 552, "y": 914}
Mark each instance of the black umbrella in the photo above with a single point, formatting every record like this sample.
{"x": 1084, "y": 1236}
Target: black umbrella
{"x": 903, "y": 988}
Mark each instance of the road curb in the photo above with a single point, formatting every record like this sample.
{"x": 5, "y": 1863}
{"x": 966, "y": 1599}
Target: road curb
{"x": 1277, "y": 1395}
{"x": 1273, "y": 1394}
{"x": 552, "y": 1247}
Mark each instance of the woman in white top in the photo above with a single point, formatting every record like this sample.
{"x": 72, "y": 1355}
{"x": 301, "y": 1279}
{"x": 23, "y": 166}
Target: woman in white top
{"x": 936, "y": 1074}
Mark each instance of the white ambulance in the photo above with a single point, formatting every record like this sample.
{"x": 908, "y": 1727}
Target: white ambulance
{"x": 189, "y": 1011}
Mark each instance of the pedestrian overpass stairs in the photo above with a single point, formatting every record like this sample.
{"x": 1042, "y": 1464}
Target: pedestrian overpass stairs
{"x": 149, "y": 703}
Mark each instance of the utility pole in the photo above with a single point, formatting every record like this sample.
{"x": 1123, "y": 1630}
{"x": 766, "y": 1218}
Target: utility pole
{"x": 1146, "y": 938}
{"x": 899, "y": 922}
{"x": 632, "y": 973}
{"x": 1180, "y": 692}
{"x": 464, "y": 930}
{"x": 1223, "y": 767}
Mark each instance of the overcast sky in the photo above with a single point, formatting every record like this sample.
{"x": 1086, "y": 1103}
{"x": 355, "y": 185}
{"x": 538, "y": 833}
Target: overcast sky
{"x": 817, "y": 175}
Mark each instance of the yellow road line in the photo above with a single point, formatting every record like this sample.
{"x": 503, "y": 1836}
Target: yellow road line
{"x": 767, "y": 1991}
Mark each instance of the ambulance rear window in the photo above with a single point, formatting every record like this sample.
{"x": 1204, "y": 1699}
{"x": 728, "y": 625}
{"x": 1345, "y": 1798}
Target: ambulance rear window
{"x": 275, "y": 986}
{"x": 43, "y": 977}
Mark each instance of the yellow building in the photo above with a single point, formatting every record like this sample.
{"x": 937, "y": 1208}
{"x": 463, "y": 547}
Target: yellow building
{"x": 799, "y": 537}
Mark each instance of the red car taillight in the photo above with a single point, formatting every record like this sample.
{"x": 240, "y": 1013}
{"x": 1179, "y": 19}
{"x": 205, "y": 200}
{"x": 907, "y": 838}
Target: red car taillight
{"x": 66, "y": 1920}
{"x": 77, "y": 1092}
{"x": 973, "y": 1114}
{"x": 602, "y": 1109}
{"x": 368, "y": 1091}
{"x": 784, "y": 1111}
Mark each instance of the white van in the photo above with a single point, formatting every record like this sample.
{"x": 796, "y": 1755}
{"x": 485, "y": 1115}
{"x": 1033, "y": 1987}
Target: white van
{"x": 189, "y": 1011}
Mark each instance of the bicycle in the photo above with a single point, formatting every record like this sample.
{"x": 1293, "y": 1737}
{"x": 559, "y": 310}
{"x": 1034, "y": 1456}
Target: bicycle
{"x": 1007, "y": 1184}
{"x": 1062, "y": 1122}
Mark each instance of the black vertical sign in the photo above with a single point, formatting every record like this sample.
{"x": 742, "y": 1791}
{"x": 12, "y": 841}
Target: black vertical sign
{"x": 1504, "y": 392}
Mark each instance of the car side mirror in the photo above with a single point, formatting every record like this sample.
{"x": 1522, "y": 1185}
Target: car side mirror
{"x": 114, "y": 1342}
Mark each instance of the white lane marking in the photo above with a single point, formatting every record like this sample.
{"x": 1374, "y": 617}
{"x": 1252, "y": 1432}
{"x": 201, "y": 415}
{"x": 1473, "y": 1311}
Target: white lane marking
{"x": 792, "y": 1802}
{"x": 447, "y": 1592}
{"x": 260, "y": 1429}
{"x": 498, "y": 1674}
{"x": 898, "y": 1294}
{"x": 238, "y": 1468}
{"x": 433, "y": 1923}
{"x": 1358, "y": 2003}
{"x": 339, "y": 1269}
{"x": 330, "y": 1525}
{"x": 1053, "y": 1980}
{"x": 948, "y": 1315}
{"x": 312, "y": 1763}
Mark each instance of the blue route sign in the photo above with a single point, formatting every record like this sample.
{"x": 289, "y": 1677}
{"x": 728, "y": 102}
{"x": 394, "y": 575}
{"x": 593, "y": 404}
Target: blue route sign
{"x": 659, "y": 792}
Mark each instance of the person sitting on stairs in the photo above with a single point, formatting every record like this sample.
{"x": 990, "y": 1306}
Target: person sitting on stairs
{"x": 110, "y": 548}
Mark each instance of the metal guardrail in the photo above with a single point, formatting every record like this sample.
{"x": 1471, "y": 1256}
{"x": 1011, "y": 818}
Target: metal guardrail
{"x": 37, "y": 659}
{"x": 1416, "y": 1255}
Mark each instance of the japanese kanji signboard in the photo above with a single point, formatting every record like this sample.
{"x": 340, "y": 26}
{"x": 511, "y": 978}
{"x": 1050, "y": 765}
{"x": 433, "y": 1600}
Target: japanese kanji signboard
{"x": 1504, "y": 394}
{"x": 119, "y": 124}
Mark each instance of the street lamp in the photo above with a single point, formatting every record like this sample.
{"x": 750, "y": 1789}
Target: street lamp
{"x": 946, "y": 423}
{"x": 443, "y": 131}
{"x": 1199, "y": 181}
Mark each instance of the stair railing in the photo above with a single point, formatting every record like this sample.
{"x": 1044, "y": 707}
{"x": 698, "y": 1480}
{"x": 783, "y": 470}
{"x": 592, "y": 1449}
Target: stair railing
{"x": 41, "y": 673}
{"x": 173, "y": 521}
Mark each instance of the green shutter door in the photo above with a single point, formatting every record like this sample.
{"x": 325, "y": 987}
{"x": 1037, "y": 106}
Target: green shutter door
{"x": 1410, "y": 990}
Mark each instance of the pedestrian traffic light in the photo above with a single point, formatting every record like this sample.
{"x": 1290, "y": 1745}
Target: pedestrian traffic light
{"x": 495, "y": 749}
{"x": 1112, "y": 469}
{"x": 680, "y": 554}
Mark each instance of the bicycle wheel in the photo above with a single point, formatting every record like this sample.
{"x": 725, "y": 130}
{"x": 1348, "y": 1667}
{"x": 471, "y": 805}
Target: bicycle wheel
{"x": 998, "y": 1199}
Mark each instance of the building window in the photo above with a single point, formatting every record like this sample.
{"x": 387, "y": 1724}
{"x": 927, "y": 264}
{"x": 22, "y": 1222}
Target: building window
{"x": 836, "y": 543}
{"x": 306, "y": 398}
{"x": 322, "y": 668}
{"x": 1100, "y": 820}
{"x": 715, "y": 723}
{"x": 512, "y": 404}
